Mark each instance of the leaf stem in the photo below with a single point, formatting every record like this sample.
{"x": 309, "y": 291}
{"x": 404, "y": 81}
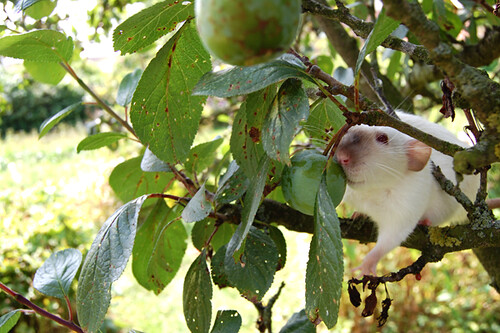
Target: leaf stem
{"x": 99, "y": 101}
{"x": 216, "y": 228}
{"x": 335, "y": 140}
{"x": 188, "y": 183}
{"x": 183, "y": 200}
{"x": 23, "y": 300}
{"x": 70, "y": 310}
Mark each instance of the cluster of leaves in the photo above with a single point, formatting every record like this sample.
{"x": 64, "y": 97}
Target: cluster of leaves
{"x": 166, "y": 105}
{"x": 165, "y": 117}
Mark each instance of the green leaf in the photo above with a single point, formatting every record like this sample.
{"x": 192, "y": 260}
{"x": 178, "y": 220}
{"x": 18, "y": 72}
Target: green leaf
{"x": 197, "y": 296}
{"x": 24, "y": 4}
{"x": 247, "y": 128}
{"x": 344, "y": 75}
{"x": 202, "y": 156}
{"x": 198, "y": 207}
{"x": 48, "y": 124}
{"x": 227, "y": 321}
{"x": 232, "y": 185}
{"x": 9, "y": 320}
{"x": 99, "y": 140}
{"x": 325, "y": 62}
{"x": 164, "y": 113}
{"x": 40, "y": 9}
{"x": 250, "y": 205}
{"x": 246, "y": 80}
{"x": 159, "y": 247}
{"x": 280, "y": 242}
{"x": 282, "y": 122}
{"x": 145, "y": 27}
{"x": 381, "y": 30}
{"x": 40, "y": 45}
{"x": 324, "y": 120}
{"x": 325, "y": 267}
{"x": 202, "y": 231}
{"x": 446, "y": 17}
{"x": 394, "y": 66}
{"x": 105, "y": 262}
{"x": 128, "y": 181}
{"x": 45, "y": 72}
{"x": 56, "y": 274}
{"x": 151, "y": 163}
{"x": 219, "y": 275}
{"x": 255, "y": 274}
{"x": 127, "y": 87}
{"x": 299, "y": 323}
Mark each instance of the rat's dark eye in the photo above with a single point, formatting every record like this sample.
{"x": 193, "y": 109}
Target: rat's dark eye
{"x": 382, "y": 138}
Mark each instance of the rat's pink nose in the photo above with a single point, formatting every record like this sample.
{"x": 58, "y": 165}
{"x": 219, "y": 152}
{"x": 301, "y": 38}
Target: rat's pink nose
{"x": 343, "y": 158}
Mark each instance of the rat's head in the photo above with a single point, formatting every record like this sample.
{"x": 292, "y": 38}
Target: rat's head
{"x": 375, "y": 156}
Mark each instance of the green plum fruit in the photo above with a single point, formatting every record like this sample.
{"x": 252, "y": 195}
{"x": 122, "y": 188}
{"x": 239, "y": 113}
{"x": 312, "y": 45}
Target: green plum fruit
{"x": 247, "y": 32}
{"x": 300, "y": 181}
{"x": 335, "y": 181}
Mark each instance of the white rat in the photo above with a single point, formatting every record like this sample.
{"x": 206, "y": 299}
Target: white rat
{"x": 389, "y": 179}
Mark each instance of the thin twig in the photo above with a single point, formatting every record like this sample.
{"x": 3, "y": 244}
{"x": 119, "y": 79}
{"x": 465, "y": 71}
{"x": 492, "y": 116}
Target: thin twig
{"x": 414, "y": 268}
{"x": 377, "y": 88}
{"x": 99, "y": 101}
{"x": 472, "y": 125}
{"x": 373, "y": 282}
{"x": 380, "y": 118}
{"x": 23, "y": 300}
{"x": 334, "y": 142}
{"x": 452, "y": 189}
{"x": 482, "y": 192}
{"x": 188, "y": 183}
{"x": 485, "y": 5}
{"x": 363, "y": 29}
{"x": 181, "y": 200}
{"x": 265, "y": 312}
{"x": 334, "y": 87}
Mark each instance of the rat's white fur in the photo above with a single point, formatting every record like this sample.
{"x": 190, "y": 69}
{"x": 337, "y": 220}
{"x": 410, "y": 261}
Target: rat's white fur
{"x": 382, "y": 185}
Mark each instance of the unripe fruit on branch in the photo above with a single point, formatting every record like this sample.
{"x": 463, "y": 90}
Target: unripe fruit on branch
{"x": 300, "y": 181}
{"x": 247, "y": 32}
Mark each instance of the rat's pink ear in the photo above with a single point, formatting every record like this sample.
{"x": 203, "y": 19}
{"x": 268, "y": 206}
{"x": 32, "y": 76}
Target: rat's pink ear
{"x": 418, "y": 154}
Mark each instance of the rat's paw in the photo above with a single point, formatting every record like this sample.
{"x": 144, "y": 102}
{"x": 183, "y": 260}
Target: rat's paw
{"x": 356, "y": 215}
{"x": 425, "y": 222}
{"x": 365, "y": 268}
{"x": 369, "y": 264}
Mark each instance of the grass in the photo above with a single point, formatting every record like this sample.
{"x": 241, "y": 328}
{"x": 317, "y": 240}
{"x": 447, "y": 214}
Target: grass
{"x": 48, "y": 190}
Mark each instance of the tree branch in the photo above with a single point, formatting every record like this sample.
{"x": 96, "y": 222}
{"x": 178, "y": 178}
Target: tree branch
{"x": 485, "y": 51}
{"x": 440, "y": 239}
{"x": 363, "y": 29}
{"x": 434, "y": 242}
{"x": 475, "y": 88}
{"x": 334, "y": 87}
{"x": 348, "y": 49}
{"x": 376, "y": 118}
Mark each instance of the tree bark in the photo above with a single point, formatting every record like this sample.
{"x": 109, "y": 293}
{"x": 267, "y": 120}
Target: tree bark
{"x": 488, "y": 257}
